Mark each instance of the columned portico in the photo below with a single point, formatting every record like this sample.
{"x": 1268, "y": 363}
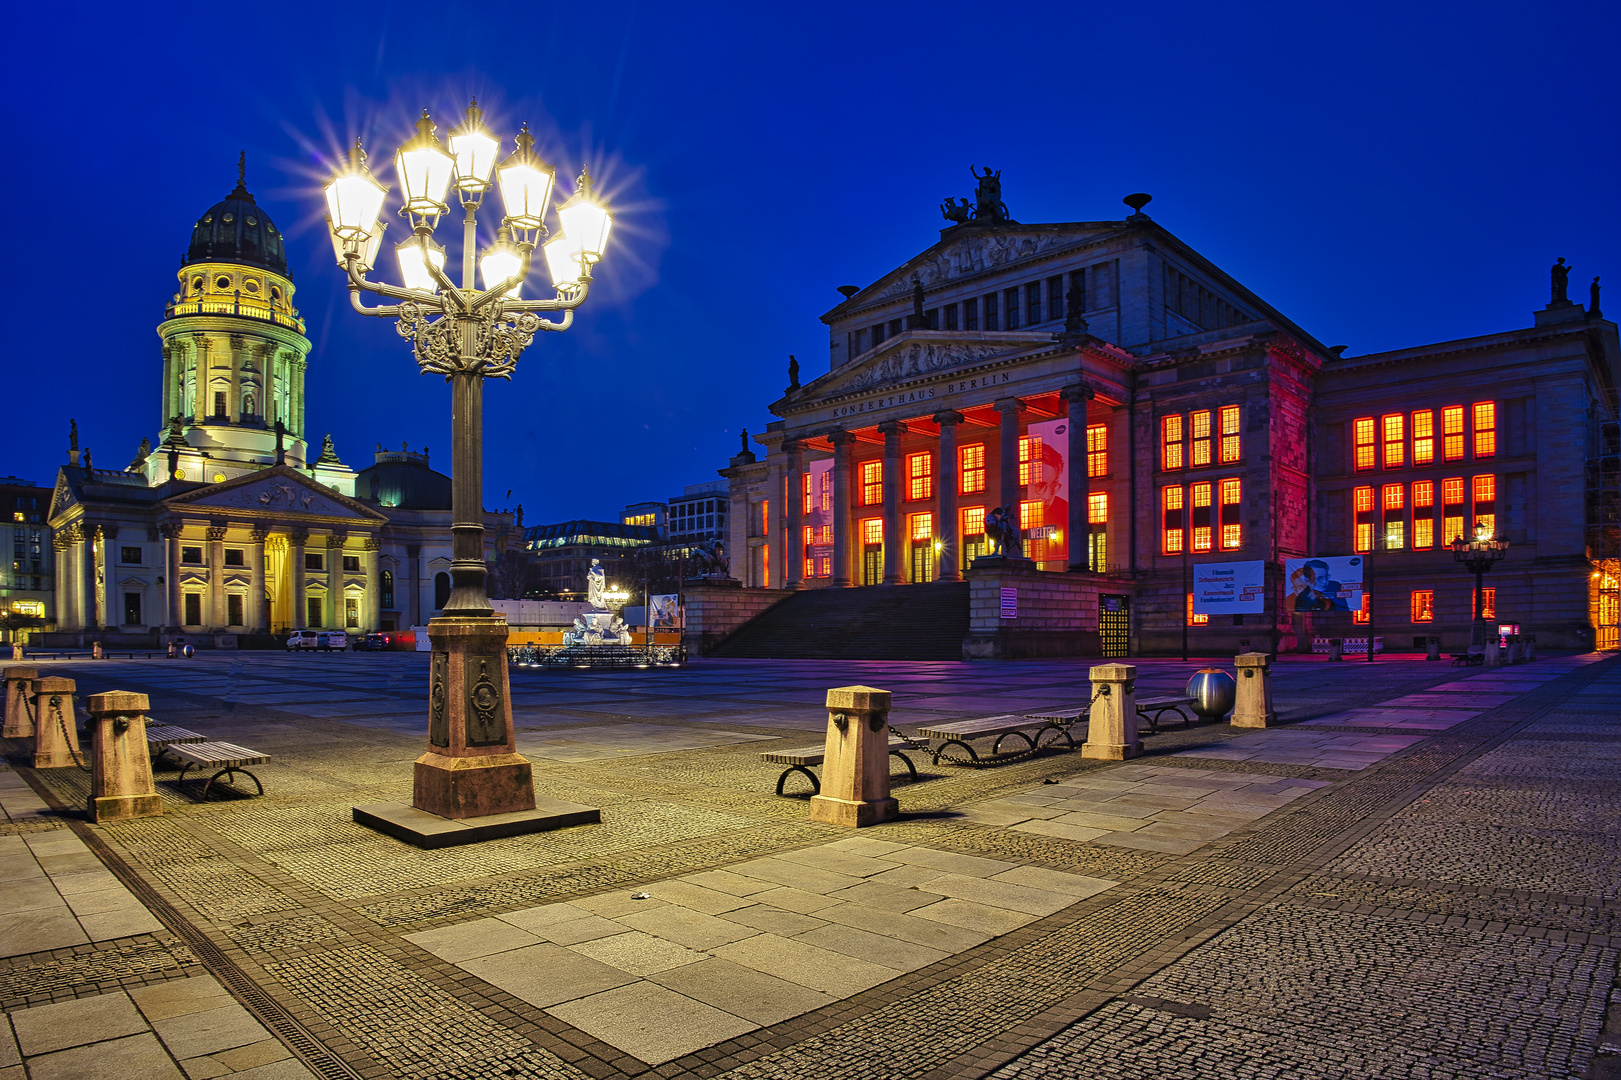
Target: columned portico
{"x": 793, "y": 551}
{"x": 894, "y": 542}
{"x": 295, "y": 565}
{"x": 946, "y": 528}
{"x": 1007, "y": 488}
{"x": 216, "y": 577}
{"x": 1079, "y": 495}
{"x": 842, "y": 538}
{"x": 176, "y": 613}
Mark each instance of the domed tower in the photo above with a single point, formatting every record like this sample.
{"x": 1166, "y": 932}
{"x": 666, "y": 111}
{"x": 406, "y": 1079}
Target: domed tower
{"x": 234, "y": 353}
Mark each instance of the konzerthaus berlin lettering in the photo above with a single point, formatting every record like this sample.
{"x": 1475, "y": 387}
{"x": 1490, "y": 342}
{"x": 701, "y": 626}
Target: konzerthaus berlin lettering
{"x": 1145, "y": 413}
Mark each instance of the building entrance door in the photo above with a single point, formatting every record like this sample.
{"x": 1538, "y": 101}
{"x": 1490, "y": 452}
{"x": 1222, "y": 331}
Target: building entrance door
{"x": 922, "y": 561}
{"x": 973, "y": 546}
{"x": 1114, "y": 624}
{"x": 872, "y": 564}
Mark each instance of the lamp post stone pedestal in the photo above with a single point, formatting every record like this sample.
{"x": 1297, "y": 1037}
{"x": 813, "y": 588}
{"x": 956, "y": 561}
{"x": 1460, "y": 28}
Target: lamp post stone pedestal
{"x": 472, "y": 767}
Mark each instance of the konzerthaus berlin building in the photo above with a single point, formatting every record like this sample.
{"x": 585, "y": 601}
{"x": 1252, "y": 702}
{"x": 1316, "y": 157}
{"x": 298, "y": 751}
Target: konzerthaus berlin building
{"x": 1144, "y": 411}
{"x": 229, "y": 530}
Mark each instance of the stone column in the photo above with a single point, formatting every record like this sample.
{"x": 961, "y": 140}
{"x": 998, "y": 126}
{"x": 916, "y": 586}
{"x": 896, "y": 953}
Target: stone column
{"x": 1253, "y": 707}
{"x": 1080, "y": 485}
{"x": 855, "y": 762}
{"x": 56, "y": 731}
{"x": 370, "y": 618}
{"x": 258, "y": 619}
{"x": 120, "y": 765}
{"x": 774, "y": 573}
{"x": 950, "y": 568}
{"x": 793, "y": 551}
{"x": 216, "y": 578}
{"x": 841, "y": 508}
{"x": 337, "y": 599}
{"x": 64, "y": 606}
{"x": 171, "y": 548}
{"x": 295, "y": 567}
{"x": 96, "y": 577}
{"x": 199, "y": 397}
{"x": 233, "y": 392}
{"x": 1007, "y": 489}
{"x": 894, "y": 538}
{"x": 1111, "y": 732}
{"x": 413, "y": 609}
{"x": 19, "y": 702}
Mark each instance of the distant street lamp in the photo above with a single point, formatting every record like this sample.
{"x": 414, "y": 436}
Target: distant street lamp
{"x": 467, "y": 334}
{"x": 1479, "y": 555}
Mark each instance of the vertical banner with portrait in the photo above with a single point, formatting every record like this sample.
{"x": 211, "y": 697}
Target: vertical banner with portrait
{"x": 1047, "y": 541}
{"x": 666, "y": 610}
{"x": 1327, "y": 583}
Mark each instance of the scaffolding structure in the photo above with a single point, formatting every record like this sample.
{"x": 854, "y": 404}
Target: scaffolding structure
{"x": 1604, "y": 520}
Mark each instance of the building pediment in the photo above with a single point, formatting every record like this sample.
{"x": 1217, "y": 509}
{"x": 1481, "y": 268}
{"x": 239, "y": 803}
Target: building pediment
{"x": 971, "y": 249}
{"x": 281, "y": 493}
{"x": 916, "y": 354}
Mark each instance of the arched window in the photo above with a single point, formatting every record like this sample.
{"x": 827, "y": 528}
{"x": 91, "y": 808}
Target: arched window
{"x": 441, "y": 591}
{"x": 388, "y": 590}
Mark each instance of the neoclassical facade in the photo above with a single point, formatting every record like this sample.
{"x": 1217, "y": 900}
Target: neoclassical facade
{"x": 1140, "y": 412}
{"x": 228, "y": 531}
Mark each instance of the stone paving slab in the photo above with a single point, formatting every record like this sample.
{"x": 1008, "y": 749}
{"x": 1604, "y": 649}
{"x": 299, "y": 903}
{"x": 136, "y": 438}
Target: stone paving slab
{"x": 1396, "y": 719}
{"x": 54, "y": 894}
{"x": 1309, "y": 748}
{"x": 623, "y": 740}
{"x": 651, "y": 977}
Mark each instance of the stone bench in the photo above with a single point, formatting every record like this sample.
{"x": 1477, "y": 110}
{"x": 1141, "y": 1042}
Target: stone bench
{"x": 227, "y": 758}
{"x": 1152, "y": 709}
{"x": 1475, "y": 657}
{"x": 801, "y": 759}
{"x": 961, "y": 732}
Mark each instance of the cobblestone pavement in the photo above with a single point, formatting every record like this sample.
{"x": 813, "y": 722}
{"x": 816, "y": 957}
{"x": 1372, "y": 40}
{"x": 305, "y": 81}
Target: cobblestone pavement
{"x": 1419, "y": 881}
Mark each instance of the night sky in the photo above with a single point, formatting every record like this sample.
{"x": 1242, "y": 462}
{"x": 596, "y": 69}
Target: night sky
{"x": 1385, "y": 175}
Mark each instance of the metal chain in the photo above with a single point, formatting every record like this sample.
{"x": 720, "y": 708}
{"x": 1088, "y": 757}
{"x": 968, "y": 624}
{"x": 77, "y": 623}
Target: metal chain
{"x": 61, "y": 724}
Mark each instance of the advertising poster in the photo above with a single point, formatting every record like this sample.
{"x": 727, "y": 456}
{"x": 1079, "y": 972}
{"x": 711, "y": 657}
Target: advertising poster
{"x": 1326, "y": 583}
{"x": 666, "y": 610}
{"x": 1047, "y": 540}
{"x": 819, "y": 519}
{"x": 1231, "y": 588}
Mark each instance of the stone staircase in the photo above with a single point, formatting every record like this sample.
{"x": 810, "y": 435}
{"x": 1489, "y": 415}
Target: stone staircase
{"x": 900, "y": 622}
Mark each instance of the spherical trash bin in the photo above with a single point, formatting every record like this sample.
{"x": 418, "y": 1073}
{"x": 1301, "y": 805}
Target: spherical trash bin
{"x": 187, "y": 651}
{"x": 1213, "y": 692}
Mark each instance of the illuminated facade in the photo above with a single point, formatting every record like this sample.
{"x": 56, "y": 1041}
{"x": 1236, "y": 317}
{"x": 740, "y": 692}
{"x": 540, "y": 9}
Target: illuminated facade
{"x": 984, "y": 371}
{"x": 229, "y": 530}
{"x": 27, "y": 569}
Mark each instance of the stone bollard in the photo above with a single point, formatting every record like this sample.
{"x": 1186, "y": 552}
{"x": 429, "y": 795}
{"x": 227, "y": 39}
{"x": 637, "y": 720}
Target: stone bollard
{"x": 1433, "y": 647}
{"x": 1254, "y": 706}
{"x": 1530, "y": 648}
{"x": 56, "y": 729}
{"x": 19, "y": 714}
{"x": 120, "y": 765}
{"x": 855, "y": 765}
{"x": 1336, "y": 648}
{"x": 1111, "y": 733}
{"x": 171, "y": 654}
{"x": 1494, "y": 654}
{"x": 95, "y": 651}
{"x": 17, "y": 652}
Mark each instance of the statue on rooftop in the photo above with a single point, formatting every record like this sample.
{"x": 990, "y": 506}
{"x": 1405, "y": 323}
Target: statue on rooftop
{"x": 745, "y": 437}
{"x": 1592, "y": 300}
{"x": 1559, "y": 273}
{"x": 73, "y": 434}
{"x": 793, "y": 372}
{"x": 988, "y": 204}
{"x": 955, "y": 212}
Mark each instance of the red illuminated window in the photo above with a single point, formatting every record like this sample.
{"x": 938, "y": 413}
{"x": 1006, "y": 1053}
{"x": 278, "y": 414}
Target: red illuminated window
{"x": 1362, "y": 433}
{"x": 1193, "y": 619}
{"x": 1424, "y": 514}
{"x": 972, "y": 460}
{"x": 1232, "y": 531}
{"x": 1029, "y": 460}
{"x": 1485, "y": 429}
{"x": 1171, "y": 510}
{"x": 1422, "y": 605}
{"x": 1363, "y": 501}
{"x": 973, "y": 521}
{"x": 1452, "y": 521}
{"x": 1361, "y": 615}
{"x": 1097, "y": 508}
{"x": 920, "y": 476}
{"x": 1097, "y": 450}
{"x": 1170, "y": 440}
{"x": 872, "y": 483}
{"x": 1452, "y": 433}
{"x": 1424, "y": 437}
{"x": 1395, "y": 440}
{"x": 1485, "y": 493}
{"x": 1488, "y": 605}
{"x": 1200, "y": 423}
{"x": 809, "y": 496}
{"x": 1395, "y": 517}
{"x": 1202, "y": 533}
{"x": 1229, "y": 434}
{"x": 872, "y": 532}
{"x": 922, "y": 526}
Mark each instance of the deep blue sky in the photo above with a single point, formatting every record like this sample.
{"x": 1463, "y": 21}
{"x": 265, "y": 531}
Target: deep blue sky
{"x": 1386, "y": 175}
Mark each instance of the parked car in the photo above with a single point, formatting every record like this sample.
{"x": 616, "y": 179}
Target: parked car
{"x": 371, "y": 643}
{"x": 302, "y": 639}
{"x": 327, "y": 640}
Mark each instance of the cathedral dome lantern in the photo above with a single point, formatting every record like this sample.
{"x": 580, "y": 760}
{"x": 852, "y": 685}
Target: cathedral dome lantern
{"x": 237, "y": 230}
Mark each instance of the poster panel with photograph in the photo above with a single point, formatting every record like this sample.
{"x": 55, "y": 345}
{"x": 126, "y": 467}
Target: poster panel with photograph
{"x": 1326, "y": 583}
{"x": 1231, "y": 588}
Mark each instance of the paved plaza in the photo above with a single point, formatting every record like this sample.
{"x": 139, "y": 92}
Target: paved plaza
{"x": 1414, "y": 876}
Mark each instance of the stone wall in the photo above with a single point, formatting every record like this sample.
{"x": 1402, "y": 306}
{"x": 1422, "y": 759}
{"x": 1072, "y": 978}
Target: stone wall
{"x": 1057, "y": 614}
{"x": 714, "y": 611}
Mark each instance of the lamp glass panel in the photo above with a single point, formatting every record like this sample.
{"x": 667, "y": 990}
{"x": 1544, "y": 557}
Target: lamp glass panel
{"x": 475, "y": 156}
{"x": 368, "y": 245}
{"x": 562, "y": 260}
{"x": 425, "y": 173}
{"x": 498, "y": 264}
{"x": 526, "y": 191}
{"x": 588, "y": 222}
{"x": 353, "y": 201}
{"x": 413, "y": 269}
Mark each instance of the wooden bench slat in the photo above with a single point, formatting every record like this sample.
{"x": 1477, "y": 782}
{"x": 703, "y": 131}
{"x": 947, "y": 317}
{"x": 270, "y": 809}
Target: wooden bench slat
{"x": 985, "y": 726}
{"x": 811, "y": 755}
{"x": 217, "y": 754}
{"x": 168, "y": 734}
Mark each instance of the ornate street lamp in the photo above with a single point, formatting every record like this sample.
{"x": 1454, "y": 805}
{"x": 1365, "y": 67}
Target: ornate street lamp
{"x": 467, "y": 335}
{"x": 1478, "y": 555}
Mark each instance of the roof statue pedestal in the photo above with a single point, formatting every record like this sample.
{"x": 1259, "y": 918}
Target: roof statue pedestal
{"x": 1560, "y": 309}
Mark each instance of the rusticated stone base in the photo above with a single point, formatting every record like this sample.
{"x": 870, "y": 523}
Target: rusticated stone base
{"x": 465, "y": 787}
{"x": 852, "y": 813}
{"x": 124, "y": 807}
{"x": 1111, "y": 751}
